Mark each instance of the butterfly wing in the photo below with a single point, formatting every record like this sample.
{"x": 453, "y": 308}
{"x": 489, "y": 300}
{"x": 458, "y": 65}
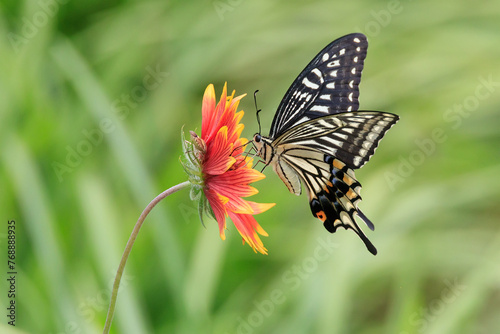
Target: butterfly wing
{"x": 323, "y": 152}
{"x": 327, "y": 85}
{"x": 350, "y": 137}
{"x": 334, "y": 192}
{"x": 319, "y": 136}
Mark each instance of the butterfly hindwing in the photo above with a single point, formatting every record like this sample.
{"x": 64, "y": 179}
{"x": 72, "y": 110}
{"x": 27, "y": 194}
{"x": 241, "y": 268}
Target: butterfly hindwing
{"x": 288, "y": 175}
{"x": 328, "y": 84}
{"x": 334, "y": 192}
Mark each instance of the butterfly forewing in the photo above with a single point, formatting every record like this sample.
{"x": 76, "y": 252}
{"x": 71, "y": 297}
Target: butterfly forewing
{"x": 310, "y": 129}
{"x": 328, "y": 84}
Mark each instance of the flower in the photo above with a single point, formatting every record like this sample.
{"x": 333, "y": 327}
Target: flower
{"x": 219, "y": 171}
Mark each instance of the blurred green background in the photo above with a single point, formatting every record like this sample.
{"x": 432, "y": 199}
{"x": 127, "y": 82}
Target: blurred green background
{"x": 93, "y": 96}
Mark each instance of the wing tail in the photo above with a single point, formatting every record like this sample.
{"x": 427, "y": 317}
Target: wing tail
{"x": 366, "y": 220}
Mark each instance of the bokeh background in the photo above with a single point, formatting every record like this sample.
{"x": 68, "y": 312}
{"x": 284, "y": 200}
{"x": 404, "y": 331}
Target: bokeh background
{"x": 93, "y": 96}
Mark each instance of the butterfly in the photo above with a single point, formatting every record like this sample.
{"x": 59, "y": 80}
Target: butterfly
{"x": 318, "y": 136}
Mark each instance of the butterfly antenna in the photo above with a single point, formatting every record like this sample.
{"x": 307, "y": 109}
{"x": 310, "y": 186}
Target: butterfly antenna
{"x": 258, "y": 110}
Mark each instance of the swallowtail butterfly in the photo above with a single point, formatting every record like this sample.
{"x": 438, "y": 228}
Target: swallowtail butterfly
{"x": 319, "y": 137}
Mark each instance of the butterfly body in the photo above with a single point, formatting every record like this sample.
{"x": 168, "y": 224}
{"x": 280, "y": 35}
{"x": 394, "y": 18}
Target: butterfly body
{"x": 318, "y": 136}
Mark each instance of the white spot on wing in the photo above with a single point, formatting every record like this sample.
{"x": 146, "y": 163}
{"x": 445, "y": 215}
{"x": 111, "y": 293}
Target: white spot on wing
{"x": 337, "y": 143}
{"x": 346, "y": 204}
{"x": 326, "y": 97}
{"x": 325, "y": 56}
{"x": 319, "y": 108}
{"x": 305, "y": 95}
{"x": 353, "y": 71}
{"x": 348, "y": 130}
{"x": 358, "y": 49}
{"x": 341, "y": 52}
{"x": 333, "y": 63}
{"x": 341, "y": 136}
{"x": 303, "y": 119}
{"x": 318, "y": 74}
{"x": 333, "y": 73}
{"x": 349, "y": 108}
{"x": 355, "y": 59}
{"x": 350, "y": 97}
{"x": 325, "y": 124}
{"x": 330, "y": 85}
{"x": 356, "y": 40}
{"x": 351, "y": 83}
{"x": 346, "y": 220}
{"x": 310, "y": 84}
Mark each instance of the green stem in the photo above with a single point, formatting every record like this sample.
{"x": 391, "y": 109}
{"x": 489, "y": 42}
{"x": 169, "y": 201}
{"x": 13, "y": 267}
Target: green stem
{"x": 128, "y": 248}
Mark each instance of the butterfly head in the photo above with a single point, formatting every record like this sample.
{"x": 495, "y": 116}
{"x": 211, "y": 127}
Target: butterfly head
{"x": 263, "y": 147}
{"x": 258, "y": 143}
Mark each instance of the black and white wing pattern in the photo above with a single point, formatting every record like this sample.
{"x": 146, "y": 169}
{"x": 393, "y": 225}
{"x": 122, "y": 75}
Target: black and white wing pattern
{"x": 318, "y": 136}
{"x": 351, "y": 137}
{"x": 323, "y": 153}
{"x": 328, "y": 84}
{"x": 334, "y": 192}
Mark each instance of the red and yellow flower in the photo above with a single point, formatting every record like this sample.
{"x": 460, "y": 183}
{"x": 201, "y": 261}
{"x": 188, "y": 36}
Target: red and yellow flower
{"x": 218, "y": 168}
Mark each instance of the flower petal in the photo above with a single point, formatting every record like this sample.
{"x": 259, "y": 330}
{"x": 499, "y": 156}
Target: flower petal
{"x": 226, "y": 170}
{"x": 218, "y": 157}
{"x": 217, "y": 203}
{"x": 241, "y": 176}
{"x": 228, "y": 189}
{"x": 217, "y": 114}
{"x": 247, "y": 226}
{"x": 260, "y": 207}
{"x": 237, "y": 204}
{"x": 208, "y": 112}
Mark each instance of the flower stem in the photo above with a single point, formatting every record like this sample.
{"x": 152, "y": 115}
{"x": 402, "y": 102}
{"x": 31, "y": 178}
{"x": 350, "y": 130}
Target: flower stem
{"x": 128, "y": 248}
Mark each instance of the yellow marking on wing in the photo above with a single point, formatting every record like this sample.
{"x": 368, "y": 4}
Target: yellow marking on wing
{"x": 351, "y": 194}
{"x": 347, "y": 180}
{"x": 338, "y": 164}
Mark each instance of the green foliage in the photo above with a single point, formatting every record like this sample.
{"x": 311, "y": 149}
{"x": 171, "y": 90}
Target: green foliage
{"x": 92, "y": 97}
